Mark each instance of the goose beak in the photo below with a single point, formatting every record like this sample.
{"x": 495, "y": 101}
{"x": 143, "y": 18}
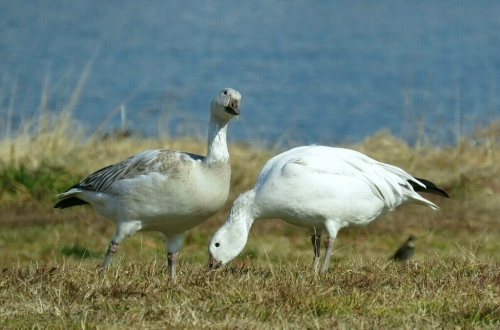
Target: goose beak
{"x": 212, "y": 263}
{"x": 233, "y": 107}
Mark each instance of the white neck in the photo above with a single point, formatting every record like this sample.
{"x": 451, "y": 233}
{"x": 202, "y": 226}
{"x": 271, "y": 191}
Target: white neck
{"x": 234, "y": 233}
{"x": 242, "y": 211}
{"x": 217, "y": 144}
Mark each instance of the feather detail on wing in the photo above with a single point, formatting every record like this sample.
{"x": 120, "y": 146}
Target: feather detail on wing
{"x": 389, "y": 183}
{"x": 159, "y": 161}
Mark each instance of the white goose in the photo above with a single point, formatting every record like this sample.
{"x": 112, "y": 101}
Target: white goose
{"x": 319, "y": 188}
{"x": 163, "y": 190}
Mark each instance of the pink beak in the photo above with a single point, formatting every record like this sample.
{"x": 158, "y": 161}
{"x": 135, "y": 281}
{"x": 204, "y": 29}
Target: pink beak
{"x": 212, "y": 263}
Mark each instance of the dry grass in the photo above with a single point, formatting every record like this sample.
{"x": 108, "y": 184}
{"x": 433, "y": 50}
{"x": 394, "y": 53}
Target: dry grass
{"x": 435, "y": 293}
{"x": 49, "y": 257}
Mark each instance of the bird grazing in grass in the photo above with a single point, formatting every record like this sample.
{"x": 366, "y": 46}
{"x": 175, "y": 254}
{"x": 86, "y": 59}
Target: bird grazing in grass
{"x": 319, "y": 188}
{"x": 405, "y": 251}
{"x": 163, "y": 190}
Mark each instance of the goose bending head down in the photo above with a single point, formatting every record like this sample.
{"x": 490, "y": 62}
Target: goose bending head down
{"x": 163, "y": 190}
{"x": 322, "y": 189}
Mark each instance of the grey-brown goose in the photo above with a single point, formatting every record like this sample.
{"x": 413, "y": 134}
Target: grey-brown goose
{"x": 163, "y": 190}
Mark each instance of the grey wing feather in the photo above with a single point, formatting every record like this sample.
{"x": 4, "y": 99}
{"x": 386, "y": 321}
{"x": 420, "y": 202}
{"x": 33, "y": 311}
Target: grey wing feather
{"x": 154, "y": 160}
{"x": 105, "y": 177}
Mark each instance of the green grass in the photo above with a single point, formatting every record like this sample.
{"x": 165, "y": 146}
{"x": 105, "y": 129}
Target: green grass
{"x": 50, "y": 257}
{"x": 18, "y": 182}
{"x": 435, "y": 293}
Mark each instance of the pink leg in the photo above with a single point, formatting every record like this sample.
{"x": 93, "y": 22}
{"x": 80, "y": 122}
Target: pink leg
{"x": 316, "y": 242}
{"x": 329, "y": 247}
{"x": 112, "y": 248}
{"x": 172, "y": 261}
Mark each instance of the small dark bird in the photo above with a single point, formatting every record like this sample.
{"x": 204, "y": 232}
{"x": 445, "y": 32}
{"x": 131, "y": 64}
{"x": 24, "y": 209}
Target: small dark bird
{"x": 406, "y": 251}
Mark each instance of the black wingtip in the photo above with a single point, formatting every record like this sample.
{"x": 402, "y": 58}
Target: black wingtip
{"x": 69, "y": 202}
{"x": 430, "y": 188}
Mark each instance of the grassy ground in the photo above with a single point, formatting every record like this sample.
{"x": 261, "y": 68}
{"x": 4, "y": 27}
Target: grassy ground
{"x": 357, "y": 293}
{"x": 49, "y": 257}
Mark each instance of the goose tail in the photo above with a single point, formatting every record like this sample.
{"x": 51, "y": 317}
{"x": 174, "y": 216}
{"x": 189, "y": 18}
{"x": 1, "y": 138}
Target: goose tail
{"x": 430, "y": 188}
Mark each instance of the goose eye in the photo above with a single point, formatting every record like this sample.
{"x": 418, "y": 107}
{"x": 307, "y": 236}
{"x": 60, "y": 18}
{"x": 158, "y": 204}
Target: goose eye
{"x": 225, "y": 92}
{"x": 217, "y": 244}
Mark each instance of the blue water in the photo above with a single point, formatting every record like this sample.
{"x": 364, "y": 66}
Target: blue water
{"x": 308, "y": 71}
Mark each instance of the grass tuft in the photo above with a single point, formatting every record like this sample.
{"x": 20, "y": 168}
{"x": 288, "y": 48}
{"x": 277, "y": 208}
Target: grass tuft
{"x": 50, "y": 258}
{"x": 357, "y": 294}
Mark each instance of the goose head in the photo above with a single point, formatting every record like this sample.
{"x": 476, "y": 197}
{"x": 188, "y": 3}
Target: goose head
{"x": 226, "y": 244}
{"x": 226, "y": 104}
{"x": 232, "y": 237}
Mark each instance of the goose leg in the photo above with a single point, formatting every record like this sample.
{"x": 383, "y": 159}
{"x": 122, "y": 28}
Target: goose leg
{"x": 316, "y": 243}
{"x": 171, "y": 262}
{"x": 112, "y": 248}
{"x": 124, "y": 230}
{"x": 329, "y": 246}
{"x": 174, "y": 244}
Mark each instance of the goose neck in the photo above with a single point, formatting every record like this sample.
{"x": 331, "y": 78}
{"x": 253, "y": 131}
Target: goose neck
{"x": 242, "y": 211}
{"x": 217, "y": 144}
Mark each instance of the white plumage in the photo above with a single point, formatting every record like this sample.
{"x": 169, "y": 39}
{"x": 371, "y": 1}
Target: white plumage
{"x": 320, "y": 188}
{"x": 163, "y": 190}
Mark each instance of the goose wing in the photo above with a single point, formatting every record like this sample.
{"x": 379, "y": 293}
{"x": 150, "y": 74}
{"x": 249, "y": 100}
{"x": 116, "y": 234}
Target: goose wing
{"x": 389, "y": 183}
{"x": 160, "y": 161}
